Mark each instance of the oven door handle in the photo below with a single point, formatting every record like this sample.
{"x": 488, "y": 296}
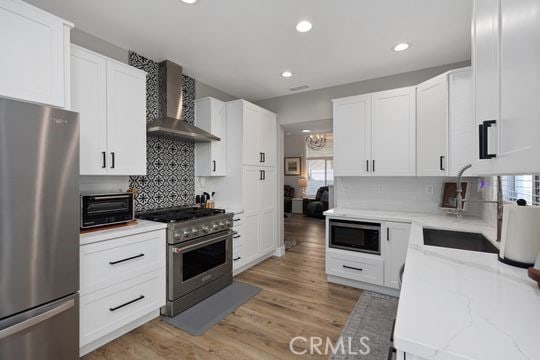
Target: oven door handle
{"x": 352, "y": 226}
{"x": 178, "y": 249}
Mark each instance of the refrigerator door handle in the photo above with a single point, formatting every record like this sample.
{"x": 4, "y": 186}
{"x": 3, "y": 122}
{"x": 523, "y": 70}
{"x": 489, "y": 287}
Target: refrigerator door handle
{"x": 17, "y": 328}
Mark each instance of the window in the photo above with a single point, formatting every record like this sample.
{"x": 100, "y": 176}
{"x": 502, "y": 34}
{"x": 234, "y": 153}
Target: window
{"x": 521, "y": 187}
{"x": 320, "y": 173}
{"x": 319, "y": 164}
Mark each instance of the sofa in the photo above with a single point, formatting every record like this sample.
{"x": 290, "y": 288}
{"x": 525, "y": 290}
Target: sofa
{"x": 316, "y": 207}
{"x": 288, "y": 196}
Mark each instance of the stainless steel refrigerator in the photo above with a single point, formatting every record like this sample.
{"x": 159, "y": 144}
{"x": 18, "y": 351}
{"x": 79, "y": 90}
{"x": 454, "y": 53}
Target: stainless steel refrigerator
{"x": 39, "y": 232}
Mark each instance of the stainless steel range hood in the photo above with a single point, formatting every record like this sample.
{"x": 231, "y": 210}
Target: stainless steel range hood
{"x": 170, "y": 101}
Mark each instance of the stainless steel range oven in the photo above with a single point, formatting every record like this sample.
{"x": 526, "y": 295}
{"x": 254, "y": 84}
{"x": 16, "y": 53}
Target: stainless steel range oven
{"x": 199, "y": 254}
{"x": 355, "y": 236}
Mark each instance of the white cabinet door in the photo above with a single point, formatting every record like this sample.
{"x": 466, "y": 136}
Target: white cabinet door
{"x": 394, "y": 132}
{"x": 89, "y": 99}
{"x": 126, "y": 119}
{"x": 519, "y": 123}
{"x": 268, "y": 136}
{"x": 33, "y": 63}
{"x": 396, "y": 244}
{"x": 486, "y": 67}
{"x": 432, "y": 127}
{"x": 252, "y": 154}
{"x": 352, "y": 136}
{"x": 211, "y": 157}
{"x": 251, "y": 204}
{"x": 267, "y": 191}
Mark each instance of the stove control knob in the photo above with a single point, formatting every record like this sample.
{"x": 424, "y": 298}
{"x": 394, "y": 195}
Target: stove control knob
{"x": 194, "y": 231}
{"x": 187, "y": 234}
{"x": 206, "y": 229}
{"x": 215, "y": 226}
{"x": 228, "y": 223}
{"x": 178, "y": 236}
{"x": 222, "y": 225}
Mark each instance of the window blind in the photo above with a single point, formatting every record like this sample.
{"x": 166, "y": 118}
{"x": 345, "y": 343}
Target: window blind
{"x": 327, "y": 152}
{"x": 521, "y": 187}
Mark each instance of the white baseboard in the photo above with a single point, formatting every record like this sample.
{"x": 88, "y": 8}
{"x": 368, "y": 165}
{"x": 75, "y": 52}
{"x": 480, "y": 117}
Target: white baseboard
{"x": 363, "y": 285}
{"x": 83, "y": 350}
{"x": 280, "y": 251}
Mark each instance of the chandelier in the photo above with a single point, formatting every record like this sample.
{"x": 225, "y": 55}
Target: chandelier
{"x": 316, "y": 142}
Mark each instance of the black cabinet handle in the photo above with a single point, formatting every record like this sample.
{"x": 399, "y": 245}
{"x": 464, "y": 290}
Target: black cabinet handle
{"x": 236, "y": 219}
{"x": 441, "y": 158}
{"x": 126, "y": 304}
{"x": 238, "y": 258}
{"x": 236, "y": 237}
{"x": 483, "y": 135}
{"x": 352, "y": 268}
{"x": 214, "y": 165}
{"x": 104, "y": 154}
{"x": 126, "y": 259}
{"x": 264, "y": 174}
{"x": 264, "y": 157}
{"x": 113, "y": 160}
{"x": 260, "y": 175}
{"x": 261, "y": 157}
{"x": 367, "y": 165}
{"x": 387, "y": 234}
{"x": 373, "y": 167}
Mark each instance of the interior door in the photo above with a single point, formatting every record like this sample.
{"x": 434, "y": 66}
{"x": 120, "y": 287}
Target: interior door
{"x": 396, "y": 238}
{"x": 251, "y": 135}
{"x": 126, "y": 120}
{"x": 89, "y": 99}
{"x": 352, "y": 136}
{"x": 39, "y": 205}
{"x": 432, "y": 126}
{"x": 267, "y": 196}
{"x": 394, "y": 132}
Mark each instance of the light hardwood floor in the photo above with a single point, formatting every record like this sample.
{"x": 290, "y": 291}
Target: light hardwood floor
{"x": 296, "y": 301}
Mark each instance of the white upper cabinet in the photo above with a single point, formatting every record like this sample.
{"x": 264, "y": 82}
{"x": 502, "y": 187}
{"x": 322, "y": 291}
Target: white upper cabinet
{"x": 352, "y": 136}
{"x": 211, "y": 157}
{"x": 268, "y": 135}
{"x": 259, "y": 135}
{"x": 111, "y": 99}
{"x": 89, "y": 99}
{"x": 444, "y": 123}
{"x": 394, "y": 132}
{"x": 506, "y": 54}
{"x": 34, "y": 65}
{"x": 432, "y": 126}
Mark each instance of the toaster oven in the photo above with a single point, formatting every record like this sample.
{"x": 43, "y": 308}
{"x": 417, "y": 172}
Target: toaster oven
{"x": 106, "y": 209}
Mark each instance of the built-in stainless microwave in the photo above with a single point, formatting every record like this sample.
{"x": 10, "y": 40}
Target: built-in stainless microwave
{"x": 106, "y": 209}
{"x": 355, "y": 236}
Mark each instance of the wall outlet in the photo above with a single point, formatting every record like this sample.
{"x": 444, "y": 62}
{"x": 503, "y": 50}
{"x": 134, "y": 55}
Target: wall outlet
{"x": 429, "y": 189}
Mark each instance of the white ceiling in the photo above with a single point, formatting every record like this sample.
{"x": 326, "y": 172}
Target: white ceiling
{"x": 242, "y": 46}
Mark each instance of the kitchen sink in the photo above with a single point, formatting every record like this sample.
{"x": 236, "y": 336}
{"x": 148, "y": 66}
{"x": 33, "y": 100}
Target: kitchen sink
{"x": 459, "y": 240}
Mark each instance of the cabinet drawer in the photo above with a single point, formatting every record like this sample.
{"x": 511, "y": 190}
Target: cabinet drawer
{"x": 107, "y": 310}
{"x": 112, "y": 261}
{"x": 355, "y": 268}
{"x": 238, "y": 256}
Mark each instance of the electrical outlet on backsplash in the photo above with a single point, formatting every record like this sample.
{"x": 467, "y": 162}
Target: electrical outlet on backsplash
{"x": 415, "y": 194}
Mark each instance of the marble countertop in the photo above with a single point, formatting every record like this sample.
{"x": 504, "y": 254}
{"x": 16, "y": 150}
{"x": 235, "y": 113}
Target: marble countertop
{"x": 457, "y": 304}
{"x": 141, "y": 226}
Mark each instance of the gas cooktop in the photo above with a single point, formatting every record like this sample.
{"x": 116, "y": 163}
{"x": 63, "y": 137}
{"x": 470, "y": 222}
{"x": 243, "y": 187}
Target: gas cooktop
{"x": 173, "y": 215}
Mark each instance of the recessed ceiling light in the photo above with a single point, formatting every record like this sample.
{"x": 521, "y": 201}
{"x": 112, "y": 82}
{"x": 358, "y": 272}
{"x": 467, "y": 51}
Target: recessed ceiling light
{"x": 306, "y": 131}
{"x": 286, "y": 74}
{"x": 304, "y": 26}
{"x": 190, "y": 2}
{"x": 401, "y": 47}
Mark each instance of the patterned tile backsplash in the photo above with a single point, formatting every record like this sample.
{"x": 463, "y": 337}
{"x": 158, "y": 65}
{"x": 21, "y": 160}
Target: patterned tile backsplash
{"x": 170, "y": 179}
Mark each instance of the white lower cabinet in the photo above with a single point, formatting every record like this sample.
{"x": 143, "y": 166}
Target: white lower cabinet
{"x": 396, "y": 243}
{"x": 356, "y": 267}
{"x": 123, "y": 285}
{"x": 238, "y": 241}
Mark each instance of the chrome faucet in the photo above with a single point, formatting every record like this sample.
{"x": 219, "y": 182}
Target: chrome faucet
{"x": 458, "y": 211}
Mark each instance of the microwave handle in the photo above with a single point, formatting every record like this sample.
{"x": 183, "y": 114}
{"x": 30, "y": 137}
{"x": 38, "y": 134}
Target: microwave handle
{"x": 356, "y": 226}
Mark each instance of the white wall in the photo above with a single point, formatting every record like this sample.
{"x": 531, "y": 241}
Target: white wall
{"x": 295, "y": 146}
{"x": 317, "y": 105}
{"x": 416, "y": 194}
{"x": 203, "y": 90}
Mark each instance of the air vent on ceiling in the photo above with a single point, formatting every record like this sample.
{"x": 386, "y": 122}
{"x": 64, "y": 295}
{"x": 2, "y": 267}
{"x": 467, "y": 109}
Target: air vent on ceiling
{"x": 298, "y": 88}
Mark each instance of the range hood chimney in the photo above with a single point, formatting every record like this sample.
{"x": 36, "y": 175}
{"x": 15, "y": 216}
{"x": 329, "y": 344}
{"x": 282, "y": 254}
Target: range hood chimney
{"x": 170, "y": 102}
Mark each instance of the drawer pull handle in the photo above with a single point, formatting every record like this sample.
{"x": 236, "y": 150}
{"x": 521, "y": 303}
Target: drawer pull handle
{"x": 238, "y": 258}
{"x": 126, "y": 304}
{"x": 236, "y": 219}
{"x": 126, "y": 259}
{"x": 352, "y": 268}
{"x": 236, "y": 237}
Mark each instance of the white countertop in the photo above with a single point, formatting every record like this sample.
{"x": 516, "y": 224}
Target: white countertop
{"x": 457, "y": 304}
{"x": 141, "y": 226}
